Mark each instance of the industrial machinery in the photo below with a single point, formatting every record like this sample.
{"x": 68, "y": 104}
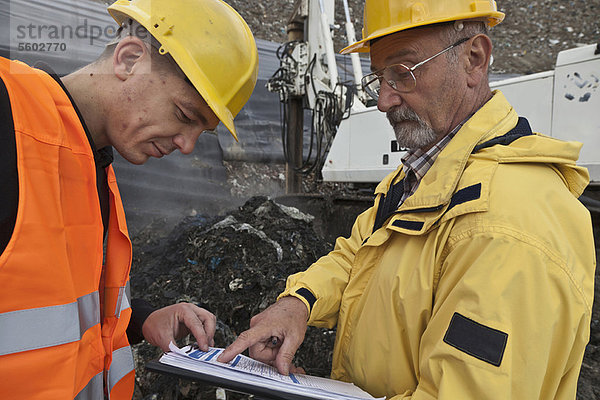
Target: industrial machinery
{"x": 352, "y": 141}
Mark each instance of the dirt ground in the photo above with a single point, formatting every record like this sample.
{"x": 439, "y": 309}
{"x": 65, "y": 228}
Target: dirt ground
{"x": 588, "y": 387}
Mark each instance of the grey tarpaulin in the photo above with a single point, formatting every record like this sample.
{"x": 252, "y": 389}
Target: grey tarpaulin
{"x": 67, "y": 34}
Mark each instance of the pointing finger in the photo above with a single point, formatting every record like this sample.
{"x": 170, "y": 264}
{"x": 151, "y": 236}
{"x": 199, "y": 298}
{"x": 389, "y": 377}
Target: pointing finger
{"x": 244, "y": 340}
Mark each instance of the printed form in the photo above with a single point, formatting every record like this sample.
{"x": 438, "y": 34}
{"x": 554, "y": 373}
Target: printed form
{"x": 247, "y": 370}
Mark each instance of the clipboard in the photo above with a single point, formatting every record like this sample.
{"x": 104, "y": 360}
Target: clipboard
{"x": 246, "y": 375}
{"x": 261, "y": 392}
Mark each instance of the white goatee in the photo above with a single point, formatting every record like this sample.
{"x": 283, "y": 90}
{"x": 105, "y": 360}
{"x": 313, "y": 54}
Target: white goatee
{"x": 411, "y": 131}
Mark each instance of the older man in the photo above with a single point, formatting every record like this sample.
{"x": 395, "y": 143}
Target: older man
{"x": 472, "y": 275}
{"x": 177, "y": 69}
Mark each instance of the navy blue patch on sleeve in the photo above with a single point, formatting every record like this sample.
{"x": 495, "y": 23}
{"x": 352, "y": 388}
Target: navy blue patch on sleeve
{"x": 308, "y": 296}
{"x": 475, "y": 339}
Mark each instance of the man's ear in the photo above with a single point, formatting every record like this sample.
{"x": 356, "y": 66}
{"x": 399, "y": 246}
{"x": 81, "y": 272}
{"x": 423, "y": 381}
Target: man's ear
{"x": 129, "y": 52}
{"x": 478, "y": 59}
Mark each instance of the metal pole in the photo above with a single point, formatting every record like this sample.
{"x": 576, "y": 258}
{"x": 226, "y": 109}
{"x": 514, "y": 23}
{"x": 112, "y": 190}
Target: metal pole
{"x": 293, "y": 179}
{"x": 329, "y": 52}
{"x": 295, "y": 122}
{"x": 351, "y": 35}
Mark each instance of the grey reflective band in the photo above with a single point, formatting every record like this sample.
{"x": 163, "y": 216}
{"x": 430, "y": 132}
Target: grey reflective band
{"x": 121, "y": 365}
{"x": 123, "y": 300}
{"x": 89, "y": 311}
{"x": 124, "y": 304}
{"x": 128, "y": 290}
{"x": 94, "y": 390}
{"x": 37, "y": 328}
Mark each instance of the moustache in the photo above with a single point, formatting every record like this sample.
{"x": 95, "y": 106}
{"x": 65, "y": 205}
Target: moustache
{"x": 401, "y": 114}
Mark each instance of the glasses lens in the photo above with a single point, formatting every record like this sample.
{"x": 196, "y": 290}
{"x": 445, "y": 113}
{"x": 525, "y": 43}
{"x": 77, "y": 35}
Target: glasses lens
{"x": 403, "y": 77}
{"x": 371, "y": 85}
{"x": 398, "y": 76}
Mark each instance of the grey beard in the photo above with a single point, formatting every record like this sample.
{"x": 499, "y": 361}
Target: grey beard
{"x": 407, "y": 134}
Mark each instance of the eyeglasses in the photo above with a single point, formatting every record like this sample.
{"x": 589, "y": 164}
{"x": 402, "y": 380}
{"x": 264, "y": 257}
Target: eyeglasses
{"x": 398, "y": 76}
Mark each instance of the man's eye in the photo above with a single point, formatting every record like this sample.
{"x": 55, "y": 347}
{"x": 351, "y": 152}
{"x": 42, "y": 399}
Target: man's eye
{"x": 182, "y": 117}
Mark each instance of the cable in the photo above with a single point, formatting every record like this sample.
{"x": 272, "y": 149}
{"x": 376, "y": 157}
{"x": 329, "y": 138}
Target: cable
{"x": 326, "y": 115}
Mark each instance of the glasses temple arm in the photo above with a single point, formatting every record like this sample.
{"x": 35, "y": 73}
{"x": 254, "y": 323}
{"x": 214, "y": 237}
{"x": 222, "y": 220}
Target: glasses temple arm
{"x": 461, "y": 41}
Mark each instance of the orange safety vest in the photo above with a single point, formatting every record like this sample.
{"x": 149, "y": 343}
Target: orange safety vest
{"x": 54, "y": 342}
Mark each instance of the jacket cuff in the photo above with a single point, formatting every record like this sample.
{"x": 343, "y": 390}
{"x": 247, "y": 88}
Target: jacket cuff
{"x": 140, "y": 310}
{"x": 303, "y": 294}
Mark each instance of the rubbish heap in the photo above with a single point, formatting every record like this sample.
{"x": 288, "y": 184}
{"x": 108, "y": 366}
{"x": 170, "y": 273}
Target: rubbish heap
{"x": 233, "y": 265}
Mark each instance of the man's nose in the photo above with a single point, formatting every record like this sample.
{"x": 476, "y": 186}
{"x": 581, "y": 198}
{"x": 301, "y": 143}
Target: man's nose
{"x": 388, "y": 97}
{"x": 185, "y": 141}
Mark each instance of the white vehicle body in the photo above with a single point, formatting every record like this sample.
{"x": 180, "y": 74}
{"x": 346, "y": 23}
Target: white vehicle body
{"x": 563, "y": 103}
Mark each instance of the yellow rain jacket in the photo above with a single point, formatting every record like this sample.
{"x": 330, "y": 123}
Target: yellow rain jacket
{"x": 480, "y": 286}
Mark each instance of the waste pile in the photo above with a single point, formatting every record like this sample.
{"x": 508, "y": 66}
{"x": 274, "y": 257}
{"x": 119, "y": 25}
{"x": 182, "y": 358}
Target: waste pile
{"x": 588, "y": 387}
{"x": 233, "y": 265}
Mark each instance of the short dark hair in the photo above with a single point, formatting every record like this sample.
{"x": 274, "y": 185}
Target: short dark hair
{"x": 162, "y": 61}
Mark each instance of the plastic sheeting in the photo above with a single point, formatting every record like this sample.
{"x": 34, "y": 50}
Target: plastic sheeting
{"x": 66, "y": 34}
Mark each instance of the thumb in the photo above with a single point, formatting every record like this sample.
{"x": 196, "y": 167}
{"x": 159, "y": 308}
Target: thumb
{"x": 163, "y": 342}
{"x": 157, "y": 336}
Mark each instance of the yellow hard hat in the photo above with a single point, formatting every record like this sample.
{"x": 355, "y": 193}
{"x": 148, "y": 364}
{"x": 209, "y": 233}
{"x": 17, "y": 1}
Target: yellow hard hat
{"x": 211, "y": 43}
{"x": 383, "y": 17}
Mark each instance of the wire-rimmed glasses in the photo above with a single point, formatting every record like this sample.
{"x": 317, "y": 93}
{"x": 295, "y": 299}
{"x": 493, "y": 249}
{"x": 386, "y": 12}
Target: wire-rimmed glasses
{"x": 398, "y": 76}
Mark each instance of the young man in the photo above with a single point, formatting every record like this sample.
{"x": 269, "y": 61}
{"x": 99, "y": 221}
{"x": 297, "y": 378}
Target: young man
{"x": 65, "y": 308}
{"x": 472, "y": 275}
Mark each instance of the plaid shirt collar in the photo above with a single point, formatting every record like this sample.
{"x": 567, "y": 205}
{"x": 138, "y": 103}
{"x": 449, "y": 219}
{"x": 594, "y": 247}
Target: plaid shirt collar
{"x": 416, "y": 162}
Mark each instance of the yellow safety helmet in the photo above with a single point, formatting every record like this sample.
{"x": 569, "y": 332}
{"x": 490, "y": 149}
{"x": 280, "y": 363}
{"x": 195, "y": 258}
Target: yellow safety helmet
{"x": 383, "y": 17}
{"x": 211, "y": 43}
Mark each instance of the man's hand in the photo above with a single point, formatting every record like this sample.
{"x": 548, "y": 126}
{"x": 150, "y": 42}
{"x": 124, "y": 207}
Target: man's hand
{"x": 176, "y": 321}
{"x": 274, "y": 335}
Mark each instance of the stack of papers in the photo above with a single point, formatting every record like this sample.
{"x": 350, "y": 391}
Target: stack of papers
{"x": 245, "y": 371}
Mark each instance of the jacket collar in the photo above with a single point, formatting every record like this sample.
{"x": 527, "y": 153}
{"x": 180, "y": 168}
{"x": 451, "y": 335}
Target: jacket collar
{"x": 440, "y": 195}
{"x": 495, "y": 118}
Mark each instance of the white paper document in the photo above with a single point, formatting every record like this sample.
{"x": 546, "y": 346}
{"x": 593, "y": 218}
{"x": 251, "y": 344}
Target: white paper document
{"x": 245, "y": 370}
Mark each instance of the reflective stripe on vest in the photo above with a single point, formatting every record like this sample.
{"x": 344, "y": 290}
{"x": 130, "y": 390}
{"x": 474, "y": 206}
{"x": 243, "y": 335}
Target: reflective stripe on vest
{"x": 89, "y": 311}
{"x": 37, "y": 328}
{"x": 94, "y": 390}
{"x": 121, "y": 365}
{"x": 123, "y": 302}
